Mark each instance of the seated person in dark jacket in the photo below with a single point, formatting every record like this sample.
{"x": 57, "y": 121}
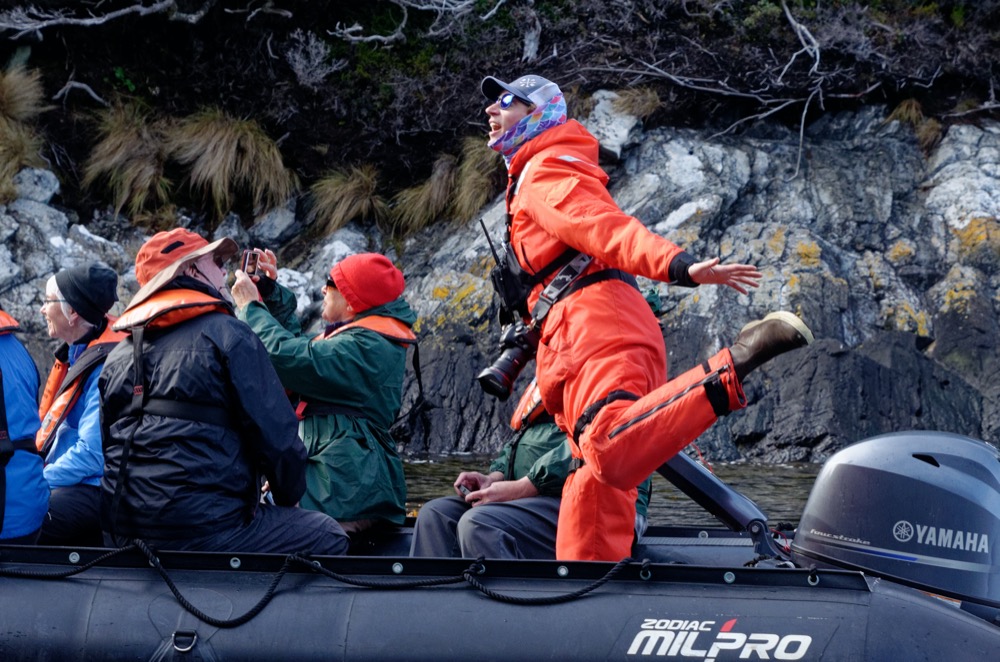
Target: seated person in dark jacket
{"x": 194, "y": 418}
{"x": 512, "y": 512}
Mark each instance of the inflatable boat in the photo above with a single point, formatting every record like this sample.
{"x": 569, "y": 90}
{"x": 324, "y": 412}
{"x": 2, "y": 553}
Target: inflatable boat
{"x": 894, "y": 558}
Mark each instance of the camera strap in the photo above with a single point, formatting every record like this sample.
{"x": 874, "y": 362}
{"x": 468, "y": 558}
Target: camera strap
{"x": 558, "y": 286}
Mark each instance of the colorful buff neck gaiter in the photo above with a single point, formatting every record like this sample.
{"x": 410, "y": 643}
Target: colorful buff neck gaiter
{"x": 545, "y": 117}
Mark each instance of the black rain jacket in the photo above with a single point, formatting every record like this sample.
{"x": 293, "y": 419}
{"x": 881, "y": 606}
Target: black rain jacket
{"x": 185, "y": 478}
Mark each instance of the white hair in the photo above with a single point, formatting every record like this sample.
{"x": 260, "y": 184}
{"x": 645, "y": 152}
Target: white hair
{"x": 52, "y": 290}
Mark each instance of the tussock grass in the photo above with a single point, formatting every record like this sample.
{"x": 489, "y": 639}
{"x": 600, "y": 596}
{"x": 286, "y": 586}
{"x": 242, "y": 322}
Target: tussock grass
{"x": 909, "y": 111}
{"x": 417, "y": 207}
{"x": 129, "y": 159}
{"x": 639, "y": 102}
{"x": 21, "y": 94}
{"x": 21, "y": 101}
{"x": 927, "y": 129}
{"x": 344, "y": 195}
{"x": 230, "y": 159}
{"x": 929, "y": 134}
{"x": 479, "y": 178}
{"x": 19, "y": 147}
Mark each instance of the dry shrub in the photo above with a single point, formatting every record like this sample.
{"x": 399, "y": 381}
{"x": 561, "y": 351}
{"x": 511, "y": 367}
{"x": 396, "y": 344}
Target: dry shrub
{"x": 129, "y": 159}
{"x": 929, "y": 134}
{"x": 418, "y": 206}
{"x": 21, "y": 94}
{"x": 479, "y": 178}
{"x": 19, "y": 147}
{"x": 639, "y": 102}
{"x": 230, "y": 159}
{"x": 345, "y": 195}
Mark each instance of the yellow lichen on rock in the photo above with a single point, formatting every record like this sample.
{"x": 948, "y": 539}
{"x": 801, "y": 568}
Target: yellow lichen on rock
{"x": 776, "y": 244}
{"x": 957, "y": 298}
{"x": 900, "y": 252}
{"x": 904, "y": 317}
{"x": 808, "y": 253}
{"x": 979, "y": 239}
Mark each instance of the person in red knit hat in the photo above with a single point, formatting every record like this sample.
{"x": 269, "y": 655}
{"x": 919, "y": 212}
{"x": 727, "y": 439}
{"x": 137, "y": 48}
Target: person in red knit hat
{"x": 347, "y": 381}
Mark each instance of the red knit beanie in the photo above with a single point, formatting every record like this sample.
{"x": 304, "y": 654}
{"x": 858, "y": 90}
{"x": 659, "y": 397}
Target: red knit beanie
{"x": 367, "y": 280}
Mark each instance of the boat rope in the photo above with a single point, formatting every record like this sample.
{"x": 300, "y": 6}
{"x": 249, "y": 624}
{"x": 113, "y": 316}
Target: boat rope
{"x": 468, "y": 576}
{"x": 316, "y": 566}
{"x": 476, "y": 569}
{"x": 62, "y": 574}
{"x": 202, "y": 616}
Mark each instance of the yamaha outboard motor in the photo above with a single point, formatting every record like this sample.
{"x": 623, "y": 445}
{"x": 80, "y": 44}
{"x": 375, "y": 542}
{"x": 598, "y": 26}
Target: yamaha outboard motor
{"x": 920, "y": 508}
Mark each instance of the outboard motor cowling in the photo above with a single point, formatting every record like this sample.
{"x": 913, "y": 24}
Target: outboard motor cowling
{"x": 920, "y": 508}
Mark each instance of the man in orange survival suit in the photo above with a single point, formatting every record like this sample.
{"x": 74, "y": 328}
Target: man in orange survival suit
{"x": 601, "y": 361}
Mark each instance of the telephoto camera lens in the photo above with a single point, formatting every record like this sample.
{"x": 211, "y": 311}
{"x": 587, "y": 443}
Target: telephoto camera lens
{"x": 518, "y": 343}
{"x": 498, "y": 379}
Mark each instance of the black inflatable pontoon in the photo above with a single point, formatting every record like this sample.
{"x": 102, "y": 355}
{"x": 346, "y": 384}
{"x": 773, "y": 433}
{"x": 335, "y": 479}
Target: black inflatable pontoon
{"x": 848, "y": 590}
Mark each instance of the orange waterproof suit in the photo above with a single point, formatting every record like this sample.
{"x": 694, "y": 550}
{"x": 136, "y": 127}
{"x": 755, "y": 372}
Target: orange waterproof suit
{"x": 601, "y": 362}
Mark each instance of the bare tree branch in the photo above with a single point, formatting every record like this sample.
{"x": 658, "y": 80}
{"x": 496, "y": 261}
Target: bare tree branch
{"x": 73, "y": 85}
{"x": 28, "y": 20}
{"x": 809, "y": 43}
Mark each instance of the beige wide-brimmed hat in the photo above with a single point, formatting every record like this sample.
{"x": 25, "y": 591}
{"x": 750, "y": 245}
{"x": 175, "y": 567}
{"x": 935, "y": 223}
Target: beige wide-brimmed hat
{"x": 163, "y": 257}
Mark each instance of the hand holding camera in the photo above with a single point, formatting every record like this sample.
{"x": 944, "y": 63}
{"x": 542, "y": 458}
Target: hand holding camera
{"x": 250, "y": 260}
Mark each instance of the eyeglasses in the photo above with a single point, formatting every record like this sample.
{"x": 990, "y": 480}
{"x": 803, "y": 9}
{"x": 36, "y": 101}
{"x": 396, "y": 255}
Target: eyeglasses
{"x": 219, "y": 262}
{"x": 507, "y": 98}
{"x": 46, "y": 302}
{"x": 330, "y": 284}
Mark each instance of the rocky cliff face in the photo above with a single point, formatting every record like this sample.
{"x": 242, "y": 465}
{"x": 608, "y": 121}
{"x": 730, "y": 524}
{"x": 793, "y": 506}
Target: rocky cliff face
{"x": 890, "y": 255}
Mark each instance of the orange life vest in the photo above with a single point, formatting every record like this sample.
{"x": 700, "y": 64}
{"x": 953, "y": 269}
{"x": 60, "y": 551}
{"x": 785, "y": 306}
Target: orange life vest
{"x": 387, "y": 327}
{"x": 7, "y": 323}
{"x": 529, "y": 407}
{"x": 65, "y": 384}
{"x": 169, "y": 307}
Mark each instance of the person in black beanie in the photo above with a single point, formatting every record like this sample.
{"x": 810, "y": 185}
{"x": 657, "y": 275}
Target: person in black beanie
{"x": 77, "y": 301}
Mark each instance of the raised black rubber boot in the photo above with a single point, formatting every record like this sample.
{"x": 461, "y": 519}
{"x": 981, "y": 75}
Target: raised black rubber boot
{"x": 762, "y": 340}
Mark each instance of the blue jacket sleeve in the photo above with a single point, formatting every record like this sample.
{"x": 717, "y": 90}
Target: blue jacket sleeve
{"x": 83, "y": 460}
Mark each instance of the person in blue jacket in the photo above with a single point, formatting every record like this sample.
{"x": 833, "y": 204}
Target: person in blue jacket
{"x": 24, "y": 493}
{"x": 75, "y": 309}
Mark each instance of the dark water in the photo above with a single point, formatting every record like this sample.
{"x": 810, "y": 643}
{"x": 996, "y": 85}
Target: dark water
{"x": 779, "y": 490}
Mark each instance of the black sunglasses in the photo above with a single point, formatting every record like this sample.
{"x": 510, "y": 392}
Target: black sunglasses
{"x": 507, "y": 98}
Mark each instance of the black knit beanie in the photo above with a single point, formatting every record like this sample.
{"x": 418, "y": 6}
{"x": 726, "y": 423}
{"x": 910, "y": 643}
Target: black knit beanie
{"x": 90, "y": 290}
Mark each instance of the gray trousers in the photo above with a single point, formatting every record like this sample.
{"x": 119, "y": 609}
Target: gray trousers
{"x": 520, "y": 529}
{"x": 273, "y": 530}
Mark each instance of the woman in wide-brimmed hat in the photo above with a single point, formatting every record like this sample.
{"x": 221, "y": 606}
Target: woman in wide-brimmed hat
{"x": 195, "y": 418}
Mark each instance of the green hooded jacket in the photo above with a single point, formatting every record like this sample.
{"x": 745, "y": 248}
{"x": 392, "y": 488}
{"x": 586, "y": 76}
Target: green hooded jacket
{"x": 543, "y": 455}
{"x": 354, "y": 471}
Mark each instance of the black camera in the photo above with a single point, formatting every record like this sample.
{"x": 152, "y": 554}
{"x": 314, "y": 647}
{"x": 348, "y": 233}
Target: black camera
{"x": 518, "y": 343}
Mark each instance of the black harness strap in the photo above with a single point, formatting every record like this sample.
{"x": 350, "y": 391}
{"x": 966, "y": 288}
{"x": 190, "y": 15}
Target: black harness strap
{"x": 330, "y": 409}
{"x": 138, "y": 398}
{"x": 588, "y": 415}
{"x": 189, "y": 411}
{"x": 598, "y": 276}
